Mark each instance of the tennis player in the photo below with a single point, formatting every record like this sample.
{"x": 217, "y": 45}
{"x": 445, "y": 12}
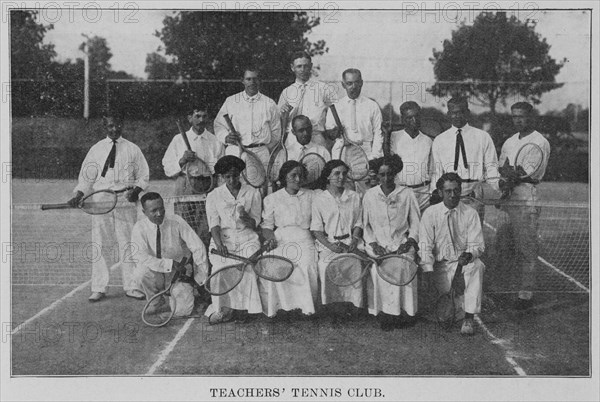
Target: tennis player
{"x": 161, "y": 242}
{"x": 361, "y": 118}
{"x": 467, "y": 151}
{"x": 113, "y": 163}
{"x": 234, "y": 212}
{"x": 414, "y": 148}
{"x": 308, "y": 97}
{"x": 286, "y": 224}
{"x": 303, "y": 131}
{"x": 522, "y": 210}
{"x": 336, "y": 223}
{"x": 255, "y": 117}
{"x": 450, "y": 233}
{"x": 391, "y": 223}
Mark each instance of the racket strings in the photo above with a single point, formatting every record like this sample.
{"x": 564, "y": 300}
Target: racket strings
{"x": 399, "y": 271}
{"x": 314, "y": 165}
{"x": 274, "y": 268}
{"x": 100, "y": 202}
{"x": 159, "y": 310}
{"x": 225, "y": 280}
{"x": 277, "y": 160}
{"x": 254, "y": 173}
{"x": 345, "y": 270}
{"x": 357, "y": 160}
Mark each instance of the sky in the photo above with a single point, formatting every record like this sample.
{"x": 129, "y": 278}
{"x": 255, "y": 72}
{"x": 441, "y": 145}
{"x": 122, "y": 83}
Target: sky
{"x": 386, "y": 45}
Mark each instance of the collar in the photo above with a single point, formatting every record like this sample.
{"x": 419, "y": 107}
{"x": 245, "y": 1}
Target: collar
{"x": 417, "y": 137}
{"x": 358, "y": 99}
{"x": 447, "y": 210}
{"x": 251, "y": 99}
{"x": 117, "y": 140}
{"x": 298, "y": 194}
{"x": 463, "y": 128}
{"x": 191, "y": 132}
{"x": 343, "y": 198}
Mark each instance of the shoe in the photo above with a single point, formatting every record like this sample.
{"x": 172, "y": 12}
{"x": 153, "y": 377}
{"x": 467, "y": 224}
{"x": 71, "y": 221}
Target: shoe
{"x": 135, "y": 294}
{"x": 523, "y": 304}
{"x": 467, "y": 327}
{"x": 405, "y": 322}
{"x": 220, "y": 316}
{"x": 96, "y": 296}
{"x": 387, "y": 325}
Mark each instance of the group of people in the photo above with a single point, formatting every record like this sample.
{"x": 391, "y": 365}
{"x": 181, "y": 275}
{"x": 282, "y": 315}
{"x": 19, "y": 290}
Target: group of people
{"x": 391, "y": 211}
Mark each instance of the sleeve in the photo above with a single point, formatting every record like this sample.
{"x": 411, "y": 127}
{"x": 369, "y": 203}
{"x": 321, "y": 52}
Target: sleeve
{"x": 145, "y": 256}
{"x": 275, "y": 124}
{"x": 357, "y": 212}
{"x": 503, "y": 154}
{"x": 316, "y": 220}
{"x": 376, "y": 122}
{"x": 142, "y": 173}
{"x": 256, "y": 206}
{"x": 476, "y": 244}
{"x": 212, "y": 215}
{"x": 414, "y": 216}
{"x": 546, "y": 151}
{"x": 326, "y": 154}
{"x": 430, "y": 164}
{"x": 490, "y": 162}
{"x": 368, "y": 234}
{"x": 195, "y": 245}
{"x": 220, "y": 126}
{"x": 268, "y": 214}
{"x": 88, "y": 174}
{"x": 426, "y": 241}
{"x": 171, "y": 159}
{"x": 282, "y": 98}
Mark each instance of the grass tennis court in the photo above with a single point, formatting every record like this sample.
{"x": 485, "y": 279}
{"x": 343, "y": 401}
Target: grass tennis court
{"x": 74, "y": 337}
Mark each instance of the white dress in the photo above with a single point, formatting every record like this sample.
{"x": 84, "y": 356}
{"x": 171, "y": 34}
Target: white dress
{"x": 336, "y": 217}
{"x": 390, "y": 220}
{"x": 289, "y": 215}
{"x": 222, "y": 210}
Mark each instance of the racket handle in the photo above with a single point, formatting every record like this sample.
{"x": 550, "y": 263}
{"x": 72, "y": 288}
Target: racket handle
{"x": 183, "y": 134}
{"x": 55, "y": 206}
{"x": 336, "y": 117}
{"x": 229, "y": 123}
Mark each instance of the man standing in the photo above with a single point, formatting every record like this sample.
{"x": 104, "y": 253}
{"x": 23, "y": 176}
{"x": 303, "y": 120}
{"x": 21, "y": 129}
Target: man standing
{"x": 467, "y": 151}
{"x": 521, "y": 208}
{"x": 113, "y": 163}
{"x": 361, "y": 120}
{"x": 450, "y": 234}
{"x": 302, "y": 129}
{"x": 255, "y": 117}
{"x": 414, "y": 148}
{"x": 307, "y": 97}
{"x": 205, "y": 146}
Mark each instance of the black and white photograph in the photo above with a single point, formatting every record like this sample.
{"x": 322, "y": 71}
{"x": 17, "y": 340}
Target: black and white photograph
{"x": 289, "y": 201}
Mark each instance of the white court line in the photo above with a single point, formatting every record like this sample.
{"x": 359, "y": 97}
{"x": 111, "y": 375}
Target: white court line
{"x": 167, "y": 351}
{"x": 505, "y": 345}
{"x": 546, "y": 263}
{"x": 55, "y": 304}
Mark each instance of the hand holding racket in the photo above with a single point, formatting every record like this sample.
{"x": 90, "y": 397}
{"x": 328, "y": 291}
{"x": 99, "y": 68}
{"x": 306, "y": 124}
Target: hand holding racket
{"x": 198, "y": 175}
{"x": 352, "y": 154}
{"x": 279, "y": 155}
{"x": 254, "y": 173}
{"x": 97, "y": 203}
{"x": 445, "y": 306}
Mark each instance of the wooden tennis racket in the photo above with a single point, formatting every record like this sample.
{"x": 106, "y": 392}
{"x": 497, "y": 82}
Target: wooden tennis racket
{"x": 198, "y": 175}
{"x": 97, "y": 203}
{"x": 352, "y": 154}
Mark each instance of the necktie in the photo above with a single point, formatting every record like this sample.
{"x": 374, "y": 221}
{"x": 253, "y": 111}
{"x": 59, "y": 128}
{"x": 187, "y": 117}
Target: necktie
{"x": 460, "y": 147}
{"x": 454, "y": 232}
{"x": 302, "y": 152}
{"x": 110, "y": 161}
{"x": 353, "y": 114}
{"x": 158, "y": 245}
{"x": 301, "y": 101}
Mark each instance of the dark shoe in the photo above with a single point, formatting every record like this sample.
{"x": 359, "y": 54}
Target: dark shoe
{"x": 135, "y": 294}
{"x": 523, "y": 304}
{"x": 96, "y": 297}
{"x": 406, "y": 322}
{"x": 386, "y": 326}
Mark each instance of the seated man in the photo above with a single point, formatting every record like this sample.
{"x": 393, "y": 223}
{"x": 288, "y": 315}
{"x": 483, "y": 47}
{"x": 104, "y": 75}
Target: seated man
{"x": 450, "y": 233}
{"x": 303, "y": 130}
{"x": 160, "y": 242}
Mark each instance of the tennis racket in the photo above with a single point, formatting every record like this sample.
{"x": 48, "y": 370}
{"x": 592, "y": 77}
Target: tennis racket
{"x": 158, "y": 311}
{"x": 278, "y": 156}
{"x": 445, "y": 306}
{"x": 273, "y": 268}
{"x": 352, "y": 154}
{"x": 197, "y": 173}
{"x": 97, "y": 203}
{"x": 227, "y": 278}
{"x": 254, "y": 173}
{"x": 314, "y": 164}
{"x": 349, "y": 268}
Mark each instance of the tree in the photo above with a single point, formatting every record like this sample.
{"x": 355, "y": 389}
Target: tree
{"x": 495, "y": 58}
{"x": 219, "y": 45}
{"x": 158, "y": 67}
{"x": 30, "y": 57}
{"x": 99, "y": 56}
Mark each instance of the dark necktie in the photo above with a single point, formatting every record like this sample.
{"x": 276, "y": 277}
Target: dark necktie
{"x": 158, "y": 246}
{"x": 110, "y": 161}
{"x": 460, "y": 148}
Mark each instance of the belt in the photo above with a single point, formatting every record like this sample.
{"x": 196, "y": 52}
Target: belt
{"x": 470, "y": 180}
{"x": 425, "y": 183}
{"x": 255, "y": 145}
{"x": 339, "y": 237}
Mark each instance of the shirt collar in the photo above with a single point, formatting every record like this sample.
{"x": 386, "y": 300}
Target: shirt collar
{"x": 117, "y": 140}
{"x": 201, "y": 135}
{"x": 342, "y": 198}
{"x": 251, "y": 99}
{"x": 463, "y": 128}
{"x": 358, "y": 99}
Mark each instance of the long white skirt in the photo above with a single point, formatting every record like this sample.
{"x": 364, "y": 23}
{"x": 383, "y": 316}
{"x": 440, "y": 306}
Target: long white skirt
{"x": 244, "y": 296}
{"x": 300, "y": 290}
{"x": 390, "y": 299}
{"x": 331, "y": 293}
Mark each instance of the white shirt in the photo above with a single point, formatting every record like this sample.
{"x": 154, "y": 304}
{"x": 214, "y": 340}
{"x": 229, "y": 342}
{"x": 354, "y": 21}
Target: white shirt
{"x": 256, "y": 118}
{"x": 514, "y": 143}
{"x": 297, "y": 151}
{"x": 206, "y": 146}
{"x": 368, "y": 123}
{"x": 131, "y": 168}
{"x": 223, "y": 210}
{"x": 416, "y": 157}
{"x": 336, "y": 216}
{"x": 435, "y": 241}
{"x": 481, "y": 155}
{"x": 177, "y": 239}
{"x": 390, "y": 220}
{"x": 310, "y": 99}
{"x": 283, "y": 209}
